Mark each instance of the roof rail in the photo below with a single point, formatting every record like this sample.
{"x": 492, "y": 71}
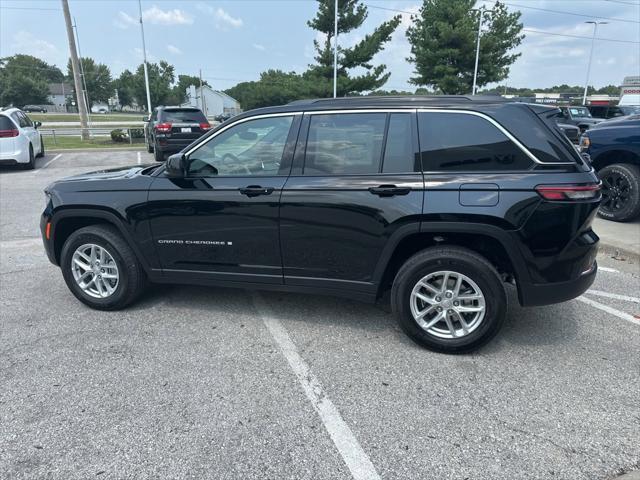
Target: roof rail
{"x": 405, "y": 98}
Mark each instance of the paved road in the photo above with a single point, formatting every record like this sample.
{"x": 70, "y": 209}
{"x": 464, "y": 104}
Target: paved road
{"x": 198, "y": 382}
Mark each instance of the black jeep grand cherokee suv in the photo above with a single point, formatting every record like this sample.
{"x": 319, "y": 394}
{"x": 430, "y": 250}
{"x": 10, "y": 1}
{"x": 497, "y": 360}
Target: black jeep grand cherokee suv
{"x": 442, "y": 200}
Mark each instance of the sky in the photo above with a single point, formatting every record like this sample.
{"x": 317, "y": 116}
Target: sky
{"x": 233, "y": 41}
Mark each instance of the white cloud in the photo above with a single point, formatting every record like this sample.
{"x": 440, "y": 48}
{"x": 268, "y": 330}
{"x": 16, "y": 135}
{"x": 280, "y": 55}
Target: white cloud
{"x": 173, "y": 49}
{"x": 25, "y": 42}
{"x": 155, "y": 16}
{"x": 222, "y": 19}
{"x": 257, "y": 46}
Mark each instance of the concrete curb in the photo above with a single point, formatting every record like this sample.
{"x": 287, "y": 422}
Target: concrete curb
{"x": 617, "y": 251}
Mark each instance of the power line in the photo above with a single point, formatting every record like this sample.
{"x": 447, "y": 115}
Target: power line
{"x": 571, "y": 13}
{"x": 544, "y": 32}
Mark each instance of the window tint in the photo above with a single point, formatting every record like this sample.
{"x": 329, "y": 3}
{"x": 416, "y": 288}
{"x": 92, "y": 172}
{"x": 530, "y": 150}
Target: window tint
{"x": 399, "y": 153}
{"x": 183, "y": 116}
{"x": 254, "y": 147}
{"x": 25, "y": 118}
{"x": 345, "y": 143}
{"x": 464, "y": 142}
{"x": 6, "y": 123}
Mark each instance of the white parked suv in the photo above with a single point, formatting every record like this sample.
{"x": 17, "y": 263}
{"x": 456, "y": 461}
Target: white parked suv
{"x": 20, "y": 140}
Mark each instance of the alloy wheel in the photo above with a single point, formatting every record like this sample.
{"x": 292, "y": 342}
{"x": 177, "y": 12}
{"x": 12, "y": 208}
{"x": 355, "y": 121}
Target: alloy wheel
{"x": 95, "y": 271}
{"x": 615, "y": 192}
{"x": 447, "y": 304}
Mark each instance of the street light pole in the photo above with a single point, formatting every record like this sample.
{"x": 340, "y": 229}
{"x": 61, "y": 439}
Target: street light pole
{"x": 335, "y": 49}
{"x": 593, "y": 40}
{"x": 144, "y": 56}
{"x": 475, "y": 70}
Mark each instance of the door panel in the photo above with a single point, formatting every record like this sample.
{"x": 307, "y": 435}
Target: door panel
{"x": 208, "y": 225}
{"x": 221, "y": 221}
{"x": 333, "y": 229}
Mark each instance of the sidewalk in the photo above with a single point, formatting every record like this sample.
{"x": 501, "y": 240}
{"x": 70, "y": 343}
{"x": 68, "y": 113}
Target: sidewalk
{"x": 621, "y": 237}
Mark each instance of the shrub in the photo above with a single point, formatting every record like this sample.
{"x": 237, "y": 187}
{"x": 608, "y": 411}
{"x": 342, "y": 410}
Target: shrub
{"x": 119, "y": 136}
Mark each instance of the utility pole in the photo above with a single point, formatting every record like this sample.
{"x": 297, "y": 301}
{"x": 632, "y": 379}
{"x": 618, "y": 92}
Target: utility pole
{"x": 83, "y": 76}
{"x": 144, "y": 56}
{"x": 335, "y": 49}
{"x": 593, "y": 40}
{"x": 82, "y": 107}
{"x": 202, "y": 100}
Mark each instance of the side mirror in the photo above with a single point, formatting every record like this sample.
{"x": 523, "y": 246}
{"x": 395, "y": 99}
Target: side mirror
{"x": 37, "y": 124}
{"x": 146, "y": 118}
{"x": 176, "y": 165}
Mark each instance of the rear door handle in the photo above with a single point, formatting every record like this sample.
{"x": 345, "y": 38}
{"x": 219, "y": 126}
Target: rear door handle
{"x": 389, "y": 190}
{"x": 255, "y": 190}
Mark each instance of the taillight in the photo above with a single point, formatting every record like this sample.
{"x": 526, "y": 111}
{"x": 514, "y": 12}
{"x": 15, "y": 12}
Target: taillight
{"x": 569, "y": 192}
{"x": 9, "y": 133}
{"x": 205, "y": 126}
{"x": 163, "y": 127}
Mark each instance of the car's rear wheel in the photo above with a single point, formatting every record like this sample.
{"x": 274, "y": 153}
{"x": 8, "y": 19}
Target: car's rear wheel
{"x": 100, "y": 268}
{"x": 449, "y": 299}
{"x": 620, "y": 192}
{"x": 32, "y": 160}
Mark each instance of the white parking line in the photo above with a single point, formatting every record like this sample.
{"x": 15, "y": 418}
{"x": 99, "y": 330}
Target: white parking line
{"x": 343, "y": 438}
{"x": 139, "y": 159}
{"x": 49, "y": 162}
{"x": 615, "y": 296}
{"x": 607, "y": 269}
{"x": 612, "y": 311}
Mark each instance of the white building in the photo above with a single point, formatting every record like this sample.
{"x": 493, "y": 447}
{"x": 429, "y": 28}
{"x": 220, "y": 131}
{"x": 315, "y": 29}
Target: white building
{"x": 211, "y": 102}
{"x": 59, "y": 93}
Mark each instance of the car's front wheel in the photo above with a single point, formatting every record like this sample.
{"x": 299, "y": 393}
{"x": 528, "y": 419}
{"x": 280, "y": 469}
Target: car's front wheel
{"x": 449, "y": 299}
{"x": 620, "y": 192}
{"x": 100, "y": 268}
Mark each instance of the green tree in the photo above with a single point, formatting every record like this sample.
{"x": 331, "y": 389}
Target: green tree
{"x": 24, "y": 79}
{"x": 97, "y": 78}
{"x": 179, "y": 90}
{"x": 124, "y": 85}
{"x": 161, "y": 77}
{"x": 351, "y": 15}
{"x": 275, "y": 87}
{"x": 443, "y": 44}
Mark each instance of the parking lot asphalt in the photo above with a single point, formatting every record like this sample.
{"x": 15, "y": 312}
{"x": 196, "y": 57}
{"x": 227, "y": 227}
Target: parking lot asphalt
{"x": 194, "y": 382}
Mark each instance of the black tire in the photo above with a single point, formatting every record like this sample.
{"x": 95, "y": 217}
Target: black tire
{"x": 149, "y": 147}
{"x": 32, "y": 160}
{"x": 620, "y": 192}
{"x": 41, "y": 154}
{"x": 158, "y": 154}
{"x": 462, "y": 261}
{"x": 132, "y": 279}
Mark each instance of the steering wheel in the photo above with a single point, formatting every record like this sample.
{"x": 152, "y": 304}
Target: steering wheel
{"x": 230, "y": 158}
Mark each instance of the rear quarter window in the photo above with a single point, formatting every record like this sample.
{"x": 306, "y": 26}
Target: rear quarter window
{"x": 6, "y": 123}
{"x": 466, "y": 142}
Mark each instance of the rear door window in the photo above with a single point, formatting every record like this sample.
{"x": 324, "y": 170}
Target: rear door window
{"x": 183, "y": 116}
{"x": 344, "y": 144}
{"x": 466, "y": 142}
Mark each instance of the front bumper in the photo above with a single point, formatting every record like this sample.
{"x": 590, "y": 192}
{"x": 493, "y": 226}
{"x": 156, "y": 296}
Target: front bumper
{"x": 534, "y": 294}
{"x": 48, "y": 243}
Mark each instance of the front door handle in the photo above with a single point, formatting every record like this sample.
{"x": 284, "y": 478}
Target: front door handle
{"x": 255, "y": 190}
{"x": 389, "y": 190}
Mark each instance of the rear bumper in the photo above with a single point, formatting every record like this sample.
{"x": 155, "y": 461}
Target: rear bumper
{"x": 532, "y": 294}
{"x": 14, "y": 157}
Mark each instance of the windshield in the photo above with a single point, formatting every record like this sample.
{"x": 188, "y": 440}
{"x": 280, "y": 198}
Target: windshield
{"x": 579, "y": 112}
{"x": 630, "y": 109}
{"x": 183, "y": 116}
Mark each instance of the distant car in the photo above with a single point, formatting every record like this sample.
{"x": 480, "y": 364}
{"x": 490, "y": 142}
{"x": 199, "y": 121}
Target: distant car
{"x": 34, "y": 108}
{"x": 571, "y": 131}
{"x": 614, "y": 148}
{"x": 222, "y": 117}
{"x": 20, "y": 140}
{"x": 170, "y": 129}
{"x": 579, "y": 116}
{"x": 606, "y": 111}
